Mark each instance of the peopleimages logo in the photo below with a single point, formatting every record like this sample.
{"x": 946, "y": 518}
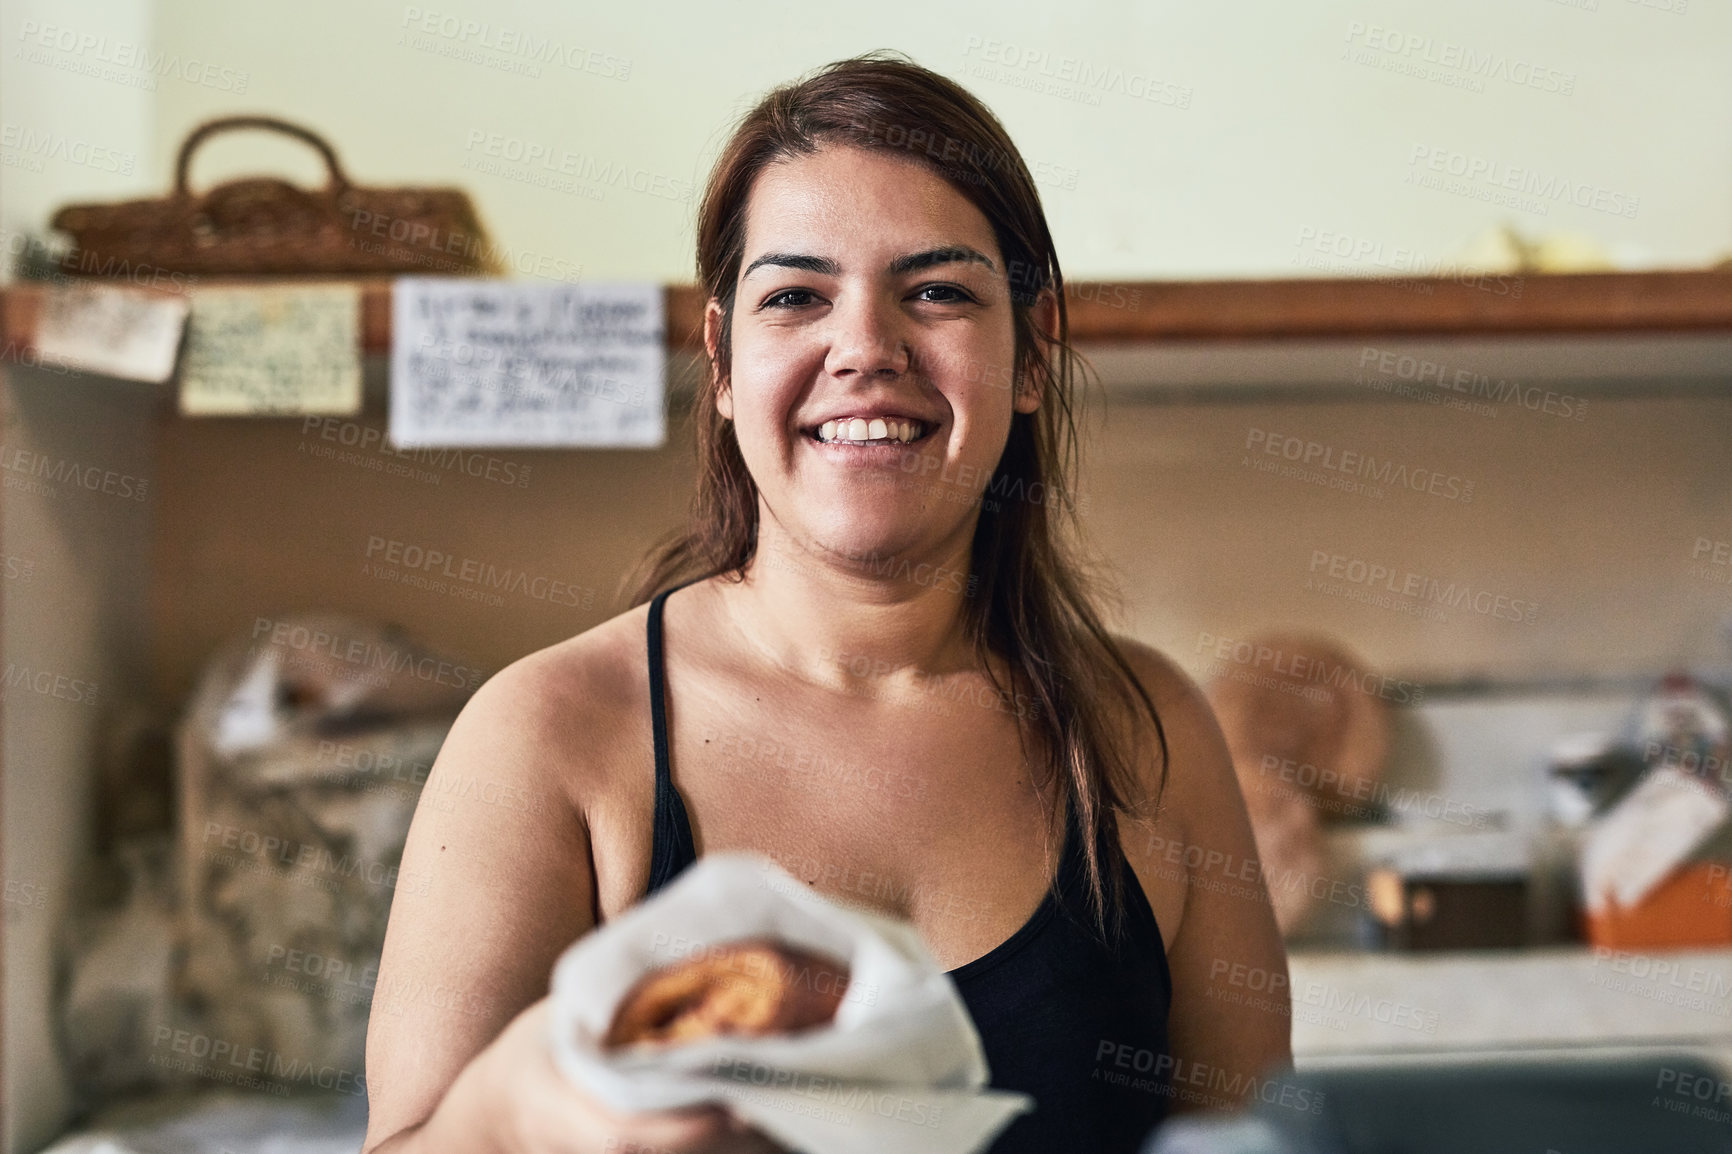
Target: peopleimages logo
{"x": 1438, "y": 375}
{"x": 586, "y": 168}
{"x": 1361, "y": 797}
{"x": 1351, "y": 469}
{"x": 1301, "y": 673}
{"x": 365, "y": 652}
{"x": 47, "y": 683}
{"x": 90, "y": 54}
{"x": 391, "y": 559}
{"x": 1486, "y": 179}
{"x": 1469, "y": 65}
{"x": 1129, "y": 1066}
{"x": 473, "y": 38}
{"x": 1693, "y": 1093}
{"x": 1069, "y": 77}
{"x": 40, "y": 145}
{"x": 274, "y": 851}
{"x": 24, "y": 463}
{"x": 1334, "y": 251}
{"x": 220, "y": 1059}
{"x": 1406, "y": 583}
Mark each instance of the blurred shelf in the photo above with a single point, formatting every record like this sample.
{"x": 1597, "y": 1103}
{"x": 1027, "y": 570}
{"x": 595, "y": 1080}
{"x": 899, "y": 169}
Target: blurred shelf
{"x": 1110, "y": 315}
{"x": 1354, "y": 1006}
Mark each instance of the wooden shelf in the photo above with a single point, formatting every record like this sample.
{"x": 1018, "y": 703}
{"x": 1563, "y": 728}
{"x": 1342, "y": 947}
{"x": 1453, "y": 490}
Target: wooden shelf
{"x": 1243, "y": 310}
{"x": 1140, "y": 312}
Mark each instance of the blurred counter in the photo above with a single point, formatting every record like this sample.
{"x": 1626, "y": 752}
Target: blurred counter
{"x": 1358, "y": 1008}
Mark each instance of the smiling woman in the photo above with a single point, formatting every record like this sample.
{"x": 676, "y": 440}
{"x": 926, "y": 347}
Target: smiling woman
{"x": 890, "y": 383}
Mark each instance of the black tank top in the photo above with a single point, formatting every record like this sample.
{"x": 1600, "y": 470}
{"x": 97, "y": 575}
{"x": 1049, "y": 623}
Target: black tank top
{"x": 1076, "y": 1024}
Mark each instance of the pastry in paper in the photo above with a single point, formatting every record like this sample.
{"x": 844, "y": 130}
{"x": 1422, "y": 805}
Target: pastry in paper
{"x": 899, "y": 1066}
{"x": 754, "y": 987}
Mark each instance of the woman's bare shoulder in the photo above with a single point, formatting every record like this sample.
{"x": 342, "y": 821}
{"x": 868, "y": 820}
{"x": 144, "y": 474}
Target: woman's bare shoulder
{"x": 1160, "y": 675}
{"x": 577, "y": 701}
{"x": 1198, "y": 767}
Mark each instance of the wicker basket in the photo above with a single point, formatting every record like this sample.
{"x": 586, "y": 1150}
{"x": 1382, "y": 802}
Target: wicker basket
{"x": 267, "y": 226}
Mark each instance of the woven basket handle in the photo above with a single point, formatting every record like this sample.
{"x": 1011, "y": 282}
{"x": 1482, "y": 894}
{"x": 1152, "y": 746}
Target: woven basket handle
{"x": 209, "y": 128}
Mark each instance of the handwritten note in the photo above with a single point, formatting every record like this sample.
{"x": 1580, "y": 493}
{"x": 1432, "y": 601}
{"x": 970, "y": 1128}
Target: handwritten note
{"x": 278, "y": 350}
{"x": 483, "y": 364}
{"x": 118, "y": 332}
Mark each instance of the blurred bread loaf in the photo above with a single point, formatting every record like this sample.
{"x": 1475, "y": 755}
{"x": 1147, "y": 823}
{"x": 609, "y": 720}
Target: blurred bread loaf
{"x": 1308, "y": 734}
{"x": 752, "y": 987}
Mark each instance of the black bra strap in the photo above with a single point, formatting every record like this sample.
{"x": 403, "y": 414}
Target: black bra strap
{"x": 672, "y": 848}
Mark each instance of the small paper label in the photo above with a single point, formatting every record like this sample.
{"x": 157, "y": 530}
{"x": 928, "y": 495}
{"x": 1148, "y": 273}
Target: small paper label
{"x": 118, "y": 332}
{"x": 278, "y": 350}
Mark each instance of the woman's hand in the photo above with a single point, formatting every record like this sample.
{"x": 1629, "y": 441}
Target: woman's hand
{"x": 533, "y": 1109}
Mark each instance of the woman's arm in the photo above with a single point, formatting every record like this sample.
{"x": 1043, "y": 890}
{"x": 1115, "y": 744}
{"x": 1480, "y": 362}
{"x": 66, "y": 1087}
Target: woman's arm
{"x": 1231, "y": 1015}
{"x": 496, "y": 881}
{"x": 511, "y": 1098}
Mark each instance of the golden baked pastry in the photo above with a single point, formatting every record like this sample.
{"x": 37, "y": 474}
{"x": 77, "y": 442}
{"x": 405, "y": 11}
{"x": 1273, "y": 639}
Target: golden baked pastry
{"x": 751, "y": 987}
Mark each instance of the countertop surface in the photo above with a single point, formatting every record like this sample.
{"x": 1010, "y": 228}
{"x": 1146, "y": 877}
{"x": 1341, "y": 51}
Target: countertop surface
{"x": 1355, "y": 1006}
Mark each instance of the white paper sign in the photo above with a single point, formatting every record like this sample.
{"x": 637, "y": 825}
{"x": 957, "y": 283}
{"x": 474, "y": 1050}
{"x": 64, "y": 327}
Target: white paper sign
{"x": 273, "y": 350}
{"x": 119, "y": 332}
{"x": 497, "y": 363}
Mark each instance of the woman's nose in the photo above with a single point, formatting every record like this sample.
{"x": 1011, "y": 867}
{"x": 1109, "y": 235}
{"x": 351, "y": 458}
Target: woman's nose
{"x": 866, "y": 340}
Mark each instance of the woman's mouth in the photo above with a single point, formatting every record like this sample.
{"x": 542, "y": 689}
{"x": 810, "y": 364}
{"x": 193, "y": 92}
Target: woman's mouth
{"x": 870, "y": 431}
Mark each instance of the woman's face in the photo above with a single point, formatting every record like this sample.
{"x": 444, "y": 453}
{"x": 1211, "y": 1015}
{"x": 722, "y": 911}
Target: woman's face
{"x": 871, "y": 376}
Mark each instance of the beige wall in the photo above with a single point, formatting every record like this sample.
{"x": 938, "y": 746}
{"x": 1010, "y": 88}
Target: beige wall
{"x": 75, "y": 586}
{"x": 256, "y": 523}
{"x": 1284, "y": 133}
{"x": 1589, "y": 522}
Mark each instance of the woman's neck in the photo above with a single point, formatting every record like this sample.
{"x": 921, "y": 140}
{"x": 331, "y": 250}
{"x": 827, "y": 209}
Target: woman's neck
{"x": 839, "y": 622}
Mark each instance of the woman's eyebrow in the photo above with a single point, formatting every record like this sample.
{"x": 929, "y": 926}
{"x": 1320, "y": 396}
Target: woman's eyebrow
{"x": 950, "y": 254}
{"x": 913, "y": 262}
{"x": 822, "y": 265}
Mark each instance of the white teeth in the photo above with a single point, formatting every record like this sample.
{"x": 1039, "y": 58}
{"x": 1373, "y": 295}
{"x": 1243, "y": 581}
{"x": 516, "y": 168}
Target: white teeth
{"x": 865, "y": 430}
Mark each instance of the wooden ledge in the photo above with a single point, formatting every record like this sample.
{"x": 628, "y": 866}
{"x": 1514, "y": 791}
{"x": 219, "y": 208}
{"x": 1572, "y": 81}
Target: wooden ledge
{"x": 1138, "y": 312}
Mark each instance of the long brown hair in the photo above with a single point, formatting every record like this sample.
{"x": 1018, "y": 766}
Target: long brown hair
{"x": 1030, "y": 604}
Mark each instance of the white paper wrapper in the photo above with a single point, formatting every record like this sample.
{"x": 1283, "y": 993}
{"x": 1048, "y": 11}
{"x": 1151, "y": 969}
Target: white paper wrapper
{"x": 900, "y": 1068}
{"x": 1647, "y": 836}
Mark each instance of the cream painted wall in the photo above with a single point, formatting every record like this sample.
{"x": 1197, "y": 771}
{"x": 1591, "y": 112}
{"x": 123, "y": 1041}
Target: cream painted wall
{"x": 1283, "y": 137}
{"x": 76, "y": 650}
{"x": 73, "y": 126}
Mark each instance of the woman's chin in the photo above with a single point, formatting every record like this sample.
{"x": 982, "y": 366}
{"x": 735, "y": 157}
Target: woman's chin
{"x": 861, "y": 546}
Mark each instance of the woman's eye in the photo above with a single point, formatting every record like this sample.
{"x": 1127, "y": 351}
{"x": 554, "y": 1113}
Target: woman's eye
{"x": 790, "y": 299}
{"x": 942, "y": 294}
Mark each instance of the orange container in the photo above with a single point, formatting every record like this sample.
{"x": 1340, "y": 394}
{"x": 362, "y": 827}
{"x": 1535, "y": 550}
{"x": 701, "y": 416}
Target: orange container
{"x": 1692, "y": 907}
